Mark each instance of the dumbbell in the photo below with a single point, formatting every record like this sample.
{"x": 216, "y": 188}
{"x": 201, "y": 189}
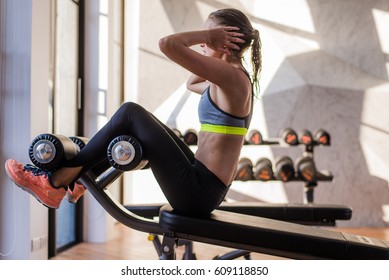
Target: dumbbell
{"x": 177, "y": 132}
{"x": 254, "y": 137}
{"x": 306, "y": 169}
{"x": 125, "y": 153}
{"x": 263, "y": 170}
{"x": 284, "y": 169}
{"x": 322, "y": 137}
{"x": 245, "y": 170}
{"x": 190, "y": 137}
{"x": 48, "y": 151}
{"x": 289, "y": 136}
{"x": 305, "y": 137}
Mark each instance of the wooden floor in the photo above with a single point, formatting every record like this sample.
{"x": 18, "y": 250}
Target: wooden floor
{"x": 133, "y": 245}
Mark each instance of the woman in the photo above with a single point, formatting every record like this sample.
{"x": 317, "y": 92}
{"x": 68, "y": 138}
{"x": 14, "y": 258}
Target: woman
{"x": 192, "y": 183}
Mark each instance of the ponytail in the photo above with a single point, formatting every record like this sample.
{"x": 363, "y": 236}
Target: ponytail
{"x": 256, "y": 60}
{"x": 234, "y": 17}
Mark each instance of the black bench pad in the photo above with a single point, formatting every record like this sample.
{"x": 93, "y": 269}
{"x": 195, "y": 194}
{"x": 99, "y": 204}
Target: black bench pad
{"x": 310, "y": 214}
{"x": 268, "y": 236}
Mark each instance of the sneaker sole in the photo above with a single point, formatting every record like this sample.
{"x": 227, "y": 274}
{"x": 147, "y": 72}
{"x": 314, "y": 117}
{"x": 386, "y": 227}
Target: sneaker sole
{"x": 28, "y": 190}
{"x": 70, "y": 199}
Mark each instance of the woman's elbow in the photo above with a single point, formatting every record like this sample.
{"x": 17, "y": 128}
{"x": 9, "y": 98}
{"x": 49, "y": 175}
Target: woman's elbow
{"x": 189, "y": 85}
{"x": 163, "y": 44}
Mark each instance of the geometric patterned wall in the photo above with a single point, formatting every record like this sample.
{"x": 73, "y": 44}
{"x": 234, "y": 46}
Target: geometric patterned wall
{"x": 334, "y": 74}
{"x": 325, "y": 65}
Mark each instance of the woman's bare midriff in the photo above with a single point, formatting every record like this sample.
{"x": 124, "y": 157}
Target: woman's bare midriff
{"x": 220, "y": 154}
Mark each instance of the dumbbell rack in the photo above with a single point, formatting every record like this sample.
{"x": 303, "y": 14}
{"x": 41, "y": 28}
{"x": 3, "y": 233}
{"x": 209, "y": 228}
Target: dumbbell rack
{"x": 254, "y": 138}
{"x": 309, "y": 187}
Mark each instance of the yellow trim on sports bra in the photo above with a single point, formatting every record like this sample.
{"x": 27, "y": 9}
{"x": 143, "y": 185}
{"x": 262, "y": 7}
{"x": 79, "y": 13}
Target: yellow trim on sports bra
{"x": 223, "y": 129}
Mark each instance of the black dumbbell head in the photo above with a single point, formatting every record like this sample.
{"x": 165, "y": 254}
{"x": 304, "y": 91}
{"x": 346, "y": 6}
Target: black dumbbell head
{"x": 190, "y": 137}
{"x": 322, "y": 137}
{"x": 284, "y": 169}
{"x": 254, "y": 137}
{"x": 289, "y": 136}
{"x": 177, "y": 132}
{"x": 263, "y": 170}
{"x": 306, "y": 169}
{"x": 245, "y": 170}
{"x": 305, "y": 137}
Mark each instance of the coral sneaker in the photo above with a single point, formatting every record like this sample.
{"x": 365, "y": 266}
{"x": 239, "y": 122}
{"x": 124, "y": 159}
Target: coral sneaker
{"x": 74, "y": 195}
{"x": 36, "y": 182}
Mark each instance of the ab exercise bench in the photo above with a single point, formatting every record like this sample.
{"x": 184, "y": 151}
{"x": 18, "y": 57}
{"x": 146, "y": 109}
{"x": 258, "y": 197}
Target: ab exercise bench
{"x": 308, "y": 214}
{"x": 235, "y": 226}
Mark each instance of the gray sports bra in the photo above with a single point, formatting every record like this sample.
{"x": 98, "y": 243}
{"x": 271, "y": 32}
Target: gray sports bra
{"x": 213, "y": 119}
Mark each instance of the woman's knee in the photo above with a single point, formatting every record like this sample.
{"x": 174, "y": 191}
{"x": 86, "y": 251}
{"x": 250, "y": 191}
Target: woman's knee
{"x": 129, "y": 107}
{"x": 127, "y": 112}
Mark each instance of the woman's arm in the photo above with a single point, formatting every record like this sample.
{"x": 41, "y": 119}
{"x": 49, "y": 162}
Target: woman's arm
{"x": 177, "y": 48}
{"x": 196, "y": 84}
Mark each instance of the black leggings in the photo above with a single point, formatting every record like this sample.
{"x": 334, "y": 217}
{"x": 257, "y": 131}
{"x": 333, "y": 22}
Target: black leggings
{"x": 188, "y": 185}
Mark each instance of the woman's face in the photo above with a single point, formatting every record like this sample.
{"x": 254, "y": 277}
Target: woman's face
{"x": 207, "y": 51}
